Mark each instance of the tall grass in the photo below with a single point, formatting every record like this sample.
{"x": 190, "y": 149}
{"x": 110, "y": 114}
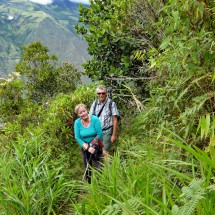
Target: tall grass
{"x": 39, "y": 162}
{"x": 144, "y": 182}
{"x": 31, "y": 183}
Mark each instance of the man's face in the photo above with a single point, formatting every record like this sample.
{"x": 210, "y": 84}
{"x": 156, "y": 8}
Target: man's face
{"x": 102, "y": 95}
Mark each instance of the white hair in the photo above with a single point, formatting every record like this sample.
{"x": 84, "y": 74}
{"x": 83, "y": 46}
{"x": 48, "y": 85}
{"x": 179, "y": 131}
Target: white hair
{"x": 101, "y": 87}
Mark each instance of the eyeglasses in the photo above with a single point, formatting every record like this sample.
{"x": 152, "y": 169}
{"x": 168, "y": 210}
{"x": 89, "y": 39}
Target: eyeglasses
{"x": 101, "y": 93}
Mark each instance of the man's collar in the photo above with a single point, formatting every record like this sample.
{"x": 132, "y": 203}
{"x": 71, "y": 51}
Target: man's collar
{"x": 103, "y": 102}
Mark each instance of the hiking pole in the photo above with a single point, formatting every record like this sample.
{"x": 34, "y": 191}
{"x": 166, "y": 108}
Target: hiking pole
{"x": 87, "y": 166}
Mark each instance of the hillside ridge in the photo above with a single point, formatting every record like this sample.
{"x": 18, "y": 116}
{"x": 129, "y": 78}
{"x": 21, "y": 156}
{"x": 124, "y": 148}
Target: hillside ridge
{"x": 24, "y": 22}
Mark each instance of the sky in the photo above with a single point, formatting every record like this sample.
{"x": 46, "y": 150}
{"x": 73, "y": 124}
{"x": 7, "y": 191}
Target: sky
{"x": 44, "y": 2}
{"x": 81, "y": 1}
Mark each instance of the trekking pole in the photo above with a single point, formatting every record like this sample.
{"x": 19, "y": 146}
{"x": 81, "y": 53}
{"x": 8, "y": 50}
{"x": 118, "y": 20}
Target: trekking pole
{"x": 87, "y": 166}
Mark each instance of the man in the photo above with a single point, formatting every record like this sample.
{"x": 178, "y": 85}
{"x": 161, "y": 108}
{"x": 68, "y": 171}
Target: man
{"x": 108, "y": 114}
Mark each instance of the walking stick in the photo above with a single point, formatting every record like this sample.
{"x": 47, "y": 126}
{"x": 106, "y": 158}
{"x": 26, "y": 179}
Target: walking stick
{"x": 87, "y": 170}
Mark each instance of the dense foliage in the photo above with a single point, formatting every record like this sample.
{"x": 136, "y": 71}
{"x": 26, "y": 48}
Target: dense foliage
{"x": 115, "y": 30}
{"x": 40, "y": 162}
{"x": 38, "y": 157}
{"x": 44, "y": 79}
{"x": 173, "y": 45}
{"x": 159, "y": 56}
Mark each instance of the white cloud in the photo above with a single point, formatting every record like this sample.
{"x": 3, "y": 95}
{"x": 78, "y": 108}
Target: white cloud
{"x": 44, "y": 2}
{"x": 81, "y": 1}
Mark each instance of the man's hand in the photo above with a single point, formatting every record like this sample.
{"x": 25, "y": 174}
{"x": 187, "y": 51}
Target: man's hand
{"x": 113, "y": 138}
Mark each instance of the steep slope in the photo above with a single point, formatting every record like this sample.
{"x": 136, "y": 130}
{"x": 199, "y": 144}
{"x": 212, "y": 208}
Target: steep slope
{"x": 23, "y": 22}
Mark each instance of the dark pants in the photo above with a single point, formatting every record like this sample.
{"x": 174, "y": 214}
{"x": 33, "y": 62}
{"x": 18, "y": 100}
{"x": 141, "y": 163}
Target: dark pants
{"x": 89, "y": 162}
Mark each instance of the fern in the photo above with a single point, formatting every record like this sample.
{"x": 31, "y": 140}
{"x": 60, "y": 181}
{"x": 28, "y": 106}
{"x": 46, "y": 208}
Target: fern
{"x": 191, "y": 196}
{"x": 112, "y": 210}
{"x": 133, "y": 205}
{"x": 198, "y": 103}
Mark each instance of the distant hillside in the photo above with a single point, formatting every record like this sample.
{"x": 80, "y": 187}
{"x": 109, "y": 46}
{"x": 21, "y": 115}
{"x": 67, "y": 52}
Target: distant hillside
{"x": 23, "y": 22}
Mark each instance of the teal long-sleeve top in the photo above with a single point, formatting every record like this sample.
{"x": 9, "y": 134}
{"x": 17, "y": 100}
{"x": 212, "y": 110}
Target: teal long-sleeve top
{"x": 86, "y": 135}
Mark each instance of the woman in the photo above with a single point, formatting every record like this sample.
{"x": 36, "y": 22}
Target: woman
{"x": 87, "y": 128}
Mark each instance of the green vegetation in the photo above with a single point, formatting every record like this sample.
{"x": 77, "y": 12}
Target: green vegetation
{"x": 44, "y": 80}
{"x": 159, "y": 58}
{"x": 39, "y": 160}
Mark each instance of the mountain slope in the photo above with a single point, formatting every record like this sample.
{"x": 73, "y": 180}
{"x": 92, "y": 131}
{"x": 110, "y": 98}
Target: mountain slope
{"x": 23, "y": 22}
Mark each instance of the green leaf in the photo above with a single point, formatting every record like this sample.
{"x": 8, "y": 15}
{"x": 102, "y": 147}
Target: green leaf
{"x": 175, "y": 15}
{"x": 165, "y": 43}
{"x": 207, "y": 124}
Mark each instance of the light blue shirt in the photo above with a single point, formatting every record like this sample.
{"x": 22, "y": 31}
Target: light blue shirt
{"x": 86, "y": 135}
{"x": 106, "y": 117}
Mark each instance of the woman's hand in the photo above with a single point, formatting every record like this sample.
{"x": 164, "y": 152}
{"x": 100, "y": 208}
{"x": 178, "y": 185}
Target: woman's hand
{"x": 91, "y": 150}
{"x": 85, "y": 146}
{"x": 88, "y": 148}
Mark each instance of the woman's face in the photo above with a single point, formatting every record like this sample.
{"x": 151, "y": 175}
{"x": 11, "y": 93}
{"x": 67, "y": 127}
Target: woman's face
{"x": 82, "y": 113}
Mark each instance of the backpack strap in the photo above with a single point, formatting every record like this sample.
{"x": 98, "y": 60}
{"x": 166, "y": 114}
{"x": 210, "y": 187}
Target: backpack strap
{"x": 101, "y": 109}
{"x": 110, "y": 106}
{"x": 94, "y": 108}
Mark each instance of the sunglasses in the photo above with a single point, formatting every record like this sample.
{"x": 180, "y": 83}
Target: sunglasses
{"x": 101, "y": 93}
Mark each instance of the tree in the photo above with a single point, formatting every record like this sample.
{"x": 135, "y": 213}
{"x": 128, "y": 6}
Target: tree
{"x": 11, "y": 95}
{"x": 43, "y": 78}
{"x": 116, "y": 31}
{"x": 106, "y": 30}
{"x": 67, "y": 78}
